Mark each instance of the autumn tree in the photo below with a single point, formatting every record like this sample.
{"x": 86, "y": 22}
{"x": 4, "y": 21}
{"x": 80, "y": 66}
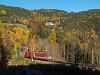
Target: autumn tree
{"x": 33, "y": 43}
{"x": 60, "y": 37}
{"x": 68, "y": 37}
{"x": 52, "y": 36}
{"x": 25, "y": 21}
{"x": 3, "y": 12}
{"x": 94, "y": 47}
{"x": 5, "y": 50}
{"x": 19, "y": 38}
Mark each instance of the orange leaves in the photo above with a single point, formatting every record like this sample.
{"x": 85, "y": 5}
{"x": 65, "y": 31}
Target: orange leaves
{"x": 25, "y": 21}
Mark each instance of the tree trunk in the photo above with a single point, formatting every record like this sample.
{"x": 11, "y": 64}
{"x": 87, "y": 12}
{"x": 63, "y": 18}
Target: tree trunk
{"x": 92, "y": 57}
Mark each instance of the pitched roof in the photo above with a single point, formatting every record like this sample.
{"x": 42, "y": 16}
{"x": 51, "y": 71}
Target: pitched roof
{"x": 49, "y": 23}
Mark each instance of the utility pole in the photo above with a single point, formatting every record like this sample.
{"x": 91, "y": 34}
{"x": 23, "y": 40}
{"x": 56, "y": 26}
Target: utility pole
{"x": 67, "y": 55}
{"x": 32, "y": 53}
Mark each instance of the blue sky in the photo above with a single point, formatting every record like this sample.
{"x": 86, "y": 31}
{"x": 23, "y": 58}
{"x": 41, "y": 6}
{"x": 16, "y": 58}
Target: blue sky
{"x": 67, "y": 5}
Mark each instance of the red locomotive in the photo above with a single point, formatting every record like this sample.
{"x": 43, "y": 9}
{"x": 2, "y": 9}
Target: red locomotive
{"x": 38, "y": 55}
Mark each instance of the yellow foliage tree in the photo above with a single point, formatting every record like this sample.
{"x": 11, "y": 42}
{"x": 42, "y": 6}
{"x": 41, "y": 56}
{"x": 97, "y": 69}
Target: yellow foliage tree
{"x": 3, "y": 11}
{"x": 68, "y": 37}
{"x": 52, "y": 36}
{"x": 19, "y": 37}
{"x": 33, "y": 43}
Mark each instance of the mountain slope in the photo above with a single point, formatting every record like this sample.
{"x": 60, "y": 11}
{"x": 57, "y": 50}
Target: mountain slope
{"x": 67, "y": 20}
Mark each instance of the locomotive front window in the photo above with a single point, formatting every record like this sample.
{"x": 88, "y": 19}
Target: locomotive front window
{"x": 49, "y": 54}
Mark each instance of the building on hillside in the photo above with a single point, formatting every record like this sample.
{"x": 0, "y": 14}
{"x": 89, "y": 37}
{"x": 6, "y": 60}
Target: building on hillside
{"x": 49, "y": 23}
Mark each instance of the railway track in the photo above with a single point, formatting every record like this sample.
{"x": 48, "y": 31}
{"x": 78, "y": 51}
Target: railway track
{"x": 79, "y": 65}
{"x": 39, "y": 69}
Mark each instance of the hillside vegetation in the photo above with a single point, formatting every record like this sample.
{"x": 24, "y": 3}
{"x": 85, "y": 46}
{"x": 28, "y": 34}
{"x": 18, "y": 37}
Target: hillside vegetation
{"x": 74, "y": 37}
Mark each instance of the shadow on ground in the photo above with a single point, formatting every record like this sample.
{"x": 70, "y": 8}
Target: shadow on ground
{"x": 41, "y": 69}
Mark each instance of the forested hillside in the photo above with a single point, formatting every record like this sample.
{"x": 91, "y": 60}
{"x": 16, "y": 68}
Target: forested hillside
{"x": 68, "y": 20}
{"x": 74, "y": 37}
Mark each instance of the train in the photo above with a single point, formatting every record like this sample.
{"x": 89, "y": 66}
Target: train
{"x": 38, "y": 55}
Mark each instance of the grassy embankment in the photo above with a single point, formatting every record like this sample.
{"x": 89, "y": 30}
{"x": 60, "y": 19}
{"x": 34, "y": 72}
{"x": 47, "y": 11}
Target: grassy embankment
{"x": 16, "y": 61}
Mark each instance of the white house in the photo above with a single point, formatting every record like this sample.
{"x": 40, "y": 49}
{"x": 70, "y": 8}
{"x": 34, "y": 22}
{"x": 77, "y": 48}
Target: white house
{"x": 49, "y": 23}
